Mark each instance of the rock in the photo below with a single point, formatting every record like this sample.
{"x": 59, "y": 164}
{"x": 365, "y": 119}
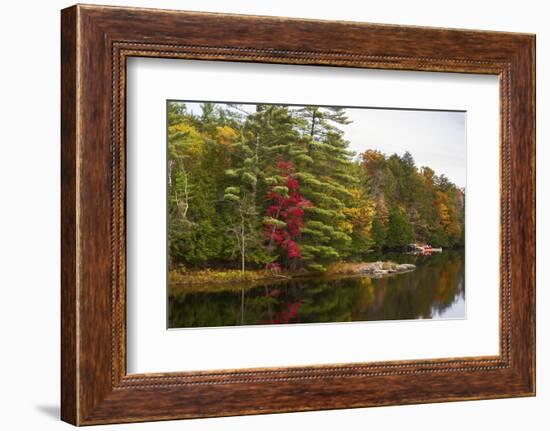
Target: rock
{"x": 377, "y": 265}
{"x": 380, "y": 269}
{"x": 365, "y": 269}
{"x": 405, "y": 267}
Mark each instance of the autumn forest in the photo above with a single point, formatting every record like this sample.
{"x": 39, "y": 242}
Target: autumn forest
{"x": 268, "y": 186}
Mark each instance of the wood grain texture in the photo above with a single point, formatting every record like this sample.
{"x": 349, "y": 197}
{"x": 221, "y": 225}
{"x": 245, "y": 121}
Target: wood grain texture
{"x": 69, "y": 397}
{"x": 96, "y": 41}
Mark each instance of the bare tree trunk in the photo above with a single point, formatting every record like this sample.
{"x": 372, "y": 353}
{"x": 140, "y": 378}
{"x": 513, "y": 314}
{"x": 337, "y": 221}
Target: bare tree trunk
{"x": 186, "y": 194}
{"x": 270, "y": 245}
{"x": 312, "y": 131}
{"x": 242, "y": 243}
{"x": 182, "y": 207}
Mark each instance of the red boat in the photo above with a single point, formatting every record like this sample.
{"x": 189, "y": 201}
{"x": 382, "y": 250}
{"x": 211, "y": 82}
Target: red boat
{"x": 424, "y": 248}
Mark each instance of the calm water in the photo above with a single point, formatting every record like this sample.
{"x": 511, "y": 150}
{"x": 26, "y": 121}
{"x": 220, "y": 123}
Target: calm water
{"x": 434, "y": 290}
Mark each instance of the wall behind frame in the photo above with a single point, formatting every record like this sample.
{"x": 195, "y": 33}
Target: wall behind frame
{"x": 29, "y": 219}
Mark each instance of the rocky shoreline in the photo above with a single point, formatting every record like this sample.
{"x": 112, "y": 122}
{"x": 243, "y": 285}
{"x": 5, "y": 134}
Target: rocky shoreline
{"x": 380, "y": 269}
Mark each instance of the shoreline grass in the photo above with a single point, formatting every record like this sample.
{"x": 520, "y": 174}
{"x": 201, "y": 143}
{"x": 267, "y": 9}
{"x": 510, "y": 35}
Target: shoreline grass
{"x": 211, "y": 277}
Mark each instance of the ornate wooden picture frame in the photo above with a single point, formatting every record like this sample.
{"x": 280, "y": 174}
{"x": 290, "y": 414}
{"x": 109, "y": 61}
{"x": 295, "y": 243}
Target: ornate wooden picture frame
{"x": 96, "y": 41}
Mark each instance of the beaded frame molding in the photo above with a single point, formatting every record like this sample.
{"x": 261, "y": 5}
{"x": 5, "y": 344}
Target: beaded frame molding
{"x": 95, "y": 43}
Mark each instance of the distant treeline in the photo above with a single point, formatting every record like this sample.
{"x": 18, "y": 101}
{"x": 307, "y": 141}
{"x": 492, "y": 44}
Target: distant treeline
{"x": 279, "y": 188}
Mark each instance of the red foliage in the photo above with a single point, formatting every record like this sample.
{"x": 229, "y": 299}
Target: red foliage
{"x": 287, "y": 315}
{"x": 289, "y": 209}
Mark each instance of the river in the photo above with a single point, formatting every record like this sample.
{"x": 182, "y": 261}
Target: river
{"x": 434, "y": 290}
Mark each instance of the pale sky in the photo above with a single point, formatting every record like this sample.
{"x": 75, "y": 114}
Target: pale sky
{"x": 434, "y": 138}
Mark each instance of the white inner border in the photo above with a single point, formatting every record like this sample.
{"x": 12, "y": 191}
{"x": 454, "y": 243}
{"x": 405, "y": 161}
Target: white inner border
{"x": 153, "y": 348}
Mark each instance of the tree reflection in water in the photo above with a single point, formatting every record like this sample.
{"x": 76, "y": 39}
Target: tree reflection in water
{"x": 436, "y": 289}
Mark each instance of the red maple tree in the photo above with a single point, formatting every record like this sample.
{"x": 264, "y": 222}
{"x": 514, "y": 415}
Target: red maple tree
{"x": 289, "y": 208}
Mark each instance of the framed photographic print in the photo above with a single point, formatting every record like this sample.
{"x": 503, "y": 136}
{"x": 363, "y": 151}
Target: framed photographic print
{"x": 265, "y": 214}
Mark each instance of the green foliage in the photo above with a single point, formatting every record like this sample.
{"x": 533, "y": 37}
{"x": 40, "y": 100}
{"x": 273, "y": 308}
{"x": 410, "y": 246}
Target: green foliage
{"x": 273, "y": 222}
{"x": 326, "y": 183}
{"x": 400, "y": 232}
{"x": 429, "y": 205}
{"x": 378, "y": 233}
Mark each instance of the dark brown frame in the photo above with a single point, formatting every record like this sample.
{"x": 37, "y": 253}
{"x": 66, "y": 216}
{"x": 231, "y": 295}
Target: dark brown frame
{"x": 95, "y": 43}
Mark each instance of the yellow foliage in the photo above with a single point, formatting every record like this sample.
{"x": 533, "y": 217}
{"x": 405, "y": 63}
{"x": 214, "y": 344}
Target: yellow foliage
{"x": 442, "y": 202}
{"x": 447, "y": 214}
{"x": 361, "y": 213}
{"x": 226, "y": 135}
{"x": 184, "y": 140}
{"x": 345, "y": 227}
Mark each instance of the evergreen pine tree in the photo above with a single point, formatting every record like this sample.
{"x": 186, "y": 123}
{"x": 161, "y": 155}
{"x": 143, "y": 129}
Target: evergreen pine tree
{"x": 400, "y": 232}
{"x": 325, "y": 182}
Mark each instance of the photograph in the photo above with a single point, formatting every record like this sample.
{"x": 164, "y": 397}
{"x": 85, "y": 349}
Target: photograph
{"x": 288, "y": 214}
